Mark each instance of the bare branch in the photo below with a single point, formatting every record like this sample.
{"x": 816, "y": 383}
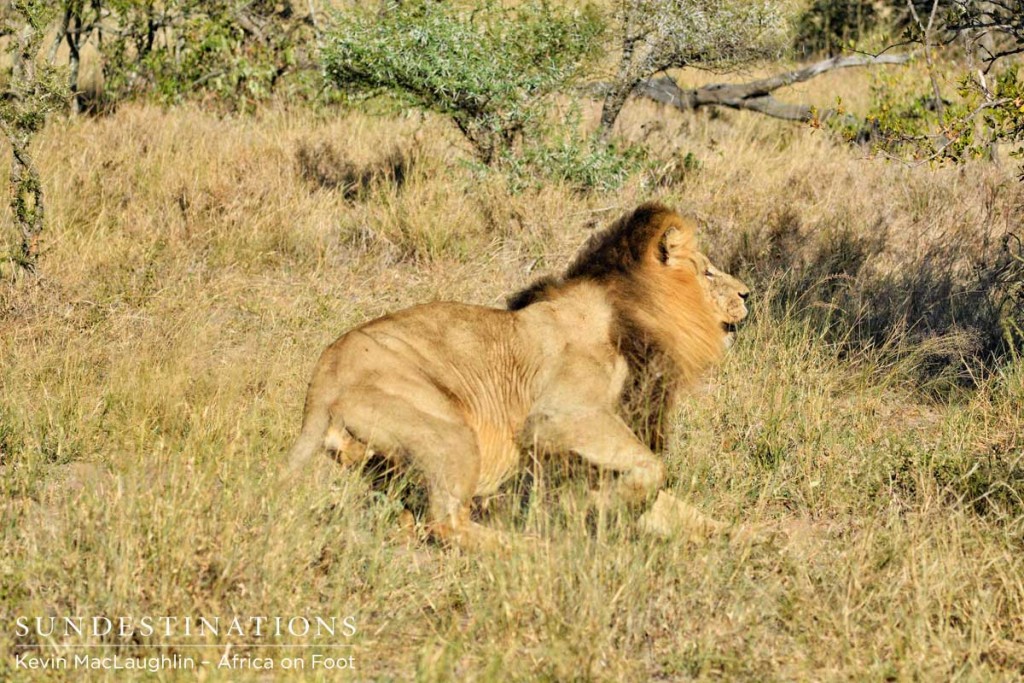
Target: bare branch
{"x": 61, "y": 32}
{"x": 984, "y": 22}
{"x": 772, "y": 83}
{"x": 926, "y": 32}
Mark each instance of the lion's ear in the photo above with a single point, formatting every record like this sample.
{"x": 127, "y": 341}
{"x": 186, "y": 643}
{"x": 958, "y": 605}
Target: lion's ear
{"x": 676, "y": 243}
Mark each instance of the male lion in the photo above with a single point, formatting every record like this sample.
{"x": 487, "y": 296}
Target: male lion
{"x": 459, "y": 390}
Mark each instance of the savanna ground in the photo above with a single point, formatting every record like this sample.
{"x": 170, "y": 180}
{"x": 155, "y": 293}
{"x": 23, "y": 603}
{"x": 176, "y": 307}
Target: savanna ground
{"x": 194, "y": 265}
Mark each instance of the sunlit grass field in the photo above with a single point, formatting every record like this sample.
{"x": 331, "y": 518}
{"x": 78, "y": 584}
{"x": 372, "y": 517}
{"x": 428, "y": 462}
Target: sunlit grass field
{"x": 194, "y": 265}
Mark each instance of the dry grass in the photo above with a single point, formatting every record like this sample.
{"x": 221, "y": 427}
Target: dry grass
{"x": 151, "y": 381}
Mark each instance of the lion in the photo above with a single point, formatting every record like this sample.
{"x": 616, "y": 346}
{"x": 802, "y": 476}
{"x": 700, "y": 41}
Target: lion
{"x": 459, "y": 391}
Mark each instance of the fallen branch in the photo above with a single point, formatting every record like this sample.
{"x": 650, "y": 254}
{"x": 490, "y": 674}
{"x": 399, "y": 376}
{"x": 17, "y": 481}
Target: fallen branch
{"x": 756, "y": 95}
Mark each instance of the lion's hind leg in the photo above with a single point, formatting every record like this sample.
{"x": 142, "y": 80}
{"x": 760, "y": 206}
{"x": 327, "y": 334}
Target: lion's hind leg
{"x": 343, "y": 447}
{"x": 324, "y": 428}
{"x": 441, "y": 446}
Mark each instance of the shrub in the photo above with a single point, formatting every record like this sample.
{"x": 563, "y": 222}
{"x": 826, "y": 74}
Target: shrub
{"x": 487, "y": 67}
{"x": 236, "y": 53}
{"x": 918, "y": 127}
{"x": 34, "y": 89}
{"x": 565, "y": 155}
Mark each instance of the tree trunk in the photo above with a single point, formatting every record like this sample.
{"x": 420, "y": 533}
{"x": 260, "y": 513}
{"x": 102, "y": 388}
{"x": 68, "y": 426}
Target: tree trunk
{"x": 619, "y": 91}
{"x": 26, "y": 199}
{"x": 74, "y": 39}
{"x": 614, "y": 100}
{"x": 26, "y": 188}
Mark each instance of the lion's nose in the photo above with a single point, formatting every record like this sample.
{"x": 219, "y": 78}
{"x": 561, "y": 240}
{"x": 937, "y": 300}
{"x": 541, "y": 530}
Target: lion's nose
{"x": 744, "y": 295}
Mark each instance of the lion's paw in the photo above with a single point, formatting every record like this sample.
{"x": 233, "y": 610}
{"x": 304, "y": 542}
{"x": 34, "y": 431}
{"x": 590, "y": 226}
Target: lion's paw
{"x": 670, "y": 517}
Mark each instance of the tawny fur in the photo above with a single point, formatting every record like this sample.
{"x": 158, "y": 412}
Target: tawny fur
{"x": 459, "y": 391}
{"x": 669, "y": 316}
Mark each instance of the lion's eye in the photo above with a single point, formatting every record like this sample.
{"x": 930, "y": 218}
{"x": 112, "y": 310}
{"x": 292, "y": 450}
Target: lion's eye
{"x": 709, "y": 273}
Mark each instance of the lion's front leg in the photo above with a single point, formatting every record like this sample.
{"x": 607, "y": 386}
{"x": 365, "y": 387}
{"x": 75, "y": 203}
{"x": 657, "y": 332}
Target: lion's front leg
{"x": 601, "y": 438}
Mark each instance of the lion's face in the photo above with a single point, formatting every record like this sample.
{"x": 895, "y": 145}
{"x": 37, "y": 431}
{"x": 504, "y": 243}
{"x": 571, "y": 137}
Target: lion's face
{"x": 728, "y": 294}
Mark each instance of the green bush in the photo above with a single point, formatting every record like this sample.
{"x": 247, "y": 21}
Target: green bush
{"x": 915, "y": 126}
{"x": 487, "y": 67}
{"x": 236, "y": 53}
{"x": 566, "y": 156}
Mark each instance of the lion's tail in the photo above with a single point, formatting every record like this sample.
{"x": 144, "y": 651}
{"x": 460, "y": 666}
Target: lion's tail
{"x": 314, "y": 426}
{"x": 316, "y": 419}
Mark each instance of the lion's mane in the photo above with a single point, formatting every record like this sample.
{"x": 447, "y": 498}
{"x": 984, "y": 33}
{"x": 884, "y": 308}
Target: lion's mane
{"x": 665, "y": 327}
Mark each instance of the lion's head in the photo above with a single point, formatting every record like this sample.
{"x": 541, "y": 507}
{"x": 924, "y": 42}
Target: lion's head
{"x": 675, "y": 311}
{"x": 670, "y": 299}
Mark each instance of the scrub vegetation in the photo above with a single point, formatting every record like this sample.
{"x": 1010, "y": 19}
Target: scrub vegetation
{"x": 866, "y": 430}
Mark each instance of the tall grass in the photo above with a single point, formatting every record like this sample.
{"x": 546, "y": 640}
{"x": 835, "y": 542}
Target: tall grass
{"x": 152, "y": 378}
